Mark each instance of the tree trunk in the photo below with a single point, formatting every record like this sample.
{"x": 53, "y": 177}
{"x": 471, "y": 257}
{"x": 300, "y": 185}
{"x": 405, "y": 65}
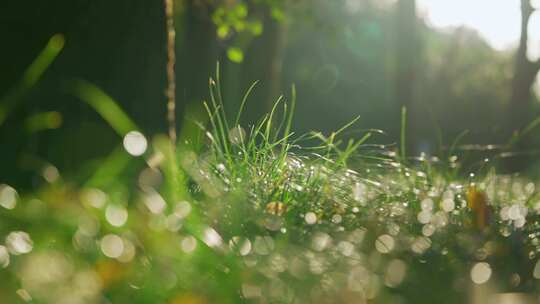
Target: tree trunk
{"x": 524, "y": 74}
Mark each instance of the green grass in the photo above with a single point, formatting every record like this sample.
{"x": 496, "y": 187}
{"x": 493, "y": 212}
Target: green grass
{"x": 252, "y": 214}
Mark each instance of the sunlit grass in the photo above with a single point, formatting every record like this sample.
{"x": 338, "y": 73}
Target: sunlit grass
{"x": 259, "y": 214}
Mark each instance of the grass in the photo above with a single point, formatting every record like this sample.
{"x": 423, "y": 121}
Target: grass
{"x": 31, "y": 76}
{"x": 253, "y": 215}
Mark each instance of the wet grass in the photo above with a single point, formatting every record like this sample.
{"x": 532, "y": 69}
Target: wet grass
{"x": 258, "y": 214}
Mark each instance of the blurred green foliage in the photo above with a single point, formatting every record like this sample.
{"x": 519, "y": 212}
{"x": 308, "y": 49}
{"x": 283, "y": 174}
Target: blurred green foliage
{"x": 341, "y": 59}
{"x": 319, "y": 209}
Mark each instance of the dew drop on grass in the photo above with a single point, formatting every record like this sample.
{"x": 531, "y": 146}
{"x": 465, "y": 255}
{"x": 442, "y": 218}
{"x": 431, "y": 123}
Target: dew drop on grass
{"x": 440, "y": 219}
{"x": 212, "y": 238}
{"x": 182, "y": 209}
{"x": 174, "y": 223}
{"x": 320, "y": 241}
{"x": 263, "y": 245}
{"x": 297, "y": 187}
{"x": 427, "y": 204}
{"x": 112, "y": 246}
{"x": 188, "y": 244}
{"x": 536, "y": 271}
{"x": 240, "y": 245}
{"x": 448, "y": 205}
{"x": 150, "y": 178}
{"x": 393, "y": 229}
{"x": 50, "y": 173}
{"x": 481, "y": 254}
{"x": 317, "y": 265}
{"x": 359, "y": 192}
{"x": 116, "y": 215}
{"x": 4, "y": 257}
{"x": 93, "y": 197}
{"x": 345, "y": 248}
{"x": 424, "y": 217}
{"x": 128, "y": 253}
{"x": 278, "y": 263}
{"x": 237, "y": 135}
{"x": 154, "y": 202}
{"x": 358, "y": 279}
{"x": 336, "y": 219}
{"x": 529, "y": 188}
{"x": 310, "y": 218}
{"x": 448, "y": 194}
{"x": 428, "y": 230}
{"x": 384, "y": 243}
{"x": 481, "y": 273}
{"x": 8, "y": 196}
{"x": 19, "y": 242}
{"x": 357, "y": 235}
{"x": 135, "y": 143}
{"x": 503, "y": 213}
{"x": 24, "y": 295}
{"x": 250, "y": 291}
{"x": 514, "y": 280}
{"x": 273, "y": 222}
{"x": 220, "y": 167}
{"x": 519, "y": 222}
{"x": 420, "y": 245}
{"x": 395, "y": 273}
{"x": 514, "y": 212}
{"x": 397, "y": 209}
{"x": 505, "y": 231}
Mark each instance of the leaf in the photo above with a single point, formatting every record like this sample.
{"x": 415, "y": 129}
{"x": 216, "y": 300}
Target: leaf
{"x": 235, "y": 55}
{"x": 241, "y": 10}
{"x": 223, "y": 31}
{"x": 256, "y": 28}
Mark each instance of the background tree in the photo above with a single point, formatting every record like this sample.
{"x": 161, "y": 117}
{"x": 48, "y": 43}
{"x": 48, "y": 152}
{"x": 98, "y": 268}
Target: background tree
{"x": 520, "y": 105}
{"x": 525, "y": 72}
{"x": 346, "y": 57}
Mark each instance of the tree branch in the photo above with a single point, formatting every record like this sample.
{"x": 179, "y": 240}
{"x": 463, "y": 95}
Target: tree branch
{"x": 526, "y": 12}
{"x": 171, "y": 79}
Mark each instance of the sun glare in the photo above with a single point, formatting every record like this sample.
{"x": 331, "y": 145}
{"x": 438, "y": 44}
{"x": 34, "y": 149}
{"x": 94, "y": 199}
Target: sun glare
{"x": 498, "y": 21}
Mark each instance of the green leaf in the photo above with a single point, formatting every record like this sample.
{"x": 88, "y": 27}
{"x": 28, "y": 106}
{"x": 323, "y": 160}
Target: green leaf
{"x": 241, "y": 10}
{"x": 256, "y": 28}
{"x": 278, "y": 14}
{"x": 235, "y": 55}
{"x": 223, "y": 31}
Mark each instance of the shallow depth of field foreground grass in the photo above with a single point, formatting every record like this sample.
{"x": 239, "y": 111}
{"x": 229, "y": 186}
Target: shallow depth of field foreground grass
{"x": 262, "y": 215}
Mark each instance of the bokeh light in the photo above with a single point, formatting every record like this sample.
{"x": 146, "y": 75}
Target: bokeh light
{"x": 135, "y": 143}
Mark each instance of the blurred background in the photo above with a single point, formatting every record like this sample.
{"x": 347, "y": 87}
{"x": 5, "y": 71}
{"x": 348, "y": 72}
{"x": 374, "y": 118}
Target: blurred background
{"x": 455, "y": 65}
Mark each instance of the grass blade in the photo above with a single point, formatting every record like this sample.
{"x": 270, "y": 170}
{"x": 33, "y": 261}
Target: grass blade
{"x": 105, "y": 105}
{"x": 403, "y": 139}
{"x": 31, "y": 76}
{"x": 244, "y": 100}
